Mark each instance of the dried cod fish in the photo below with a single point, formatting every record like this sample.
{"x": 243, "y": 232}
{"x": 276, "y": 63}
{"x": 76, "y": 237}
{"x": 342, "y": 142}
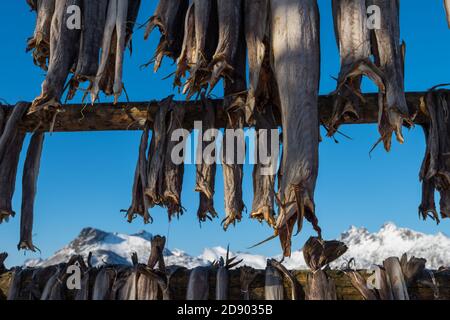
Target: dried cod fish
{"x": 318, "y": 255}
{"x": 94, "y": 18}
{"x": 103, "y": 284}
{"x": 168, "y": 17}
{"x": 353, "y": 38}
{"x": 198, "y": 285}
{"x": 293, "y": 281}
{"x": 230, "y": 17}
{"x": 64, "y": 48}
{"x": 29, "y": 186}
{"x": 412, "y": 269}
{"x": 273, "y": 288}
{"x": 360, "y": 283}
{"x": 115, "y": 29}
{"x": 11, "y": 142}
{"x": 206, "y": 168}
{"x": 447, "y": 10}
{"x": 390, "y": 58}
{"x": 296, "y": 65}
{"x": 257, "y": 38}
{"x": 174, "y": 168}
{"x": 187, "y": 55}
{"x": 223, "y": 277}
{"x": 435, "y": 171}
{"x": 157, "y": 154}
{"x": 39, "y": 44}
{"x": 235, "y": 88}
{"x": 396, "y": 278}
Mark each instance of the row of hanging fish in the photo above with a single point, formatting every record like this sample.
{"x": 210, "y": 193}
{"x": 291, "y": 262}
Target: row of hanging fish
{"x": 85, "y": 39}
{"x": 11, "y": 142}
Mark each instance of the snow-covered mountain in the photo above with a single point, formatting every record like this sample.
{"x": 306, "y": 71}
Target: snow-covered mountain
{"x": 365, "y": 247}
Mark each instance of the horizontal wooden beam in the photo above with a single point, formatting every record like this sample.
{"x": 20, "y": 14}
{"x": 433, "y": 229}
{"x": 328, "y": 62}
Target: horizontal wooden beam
{"x": 131, "y": 116}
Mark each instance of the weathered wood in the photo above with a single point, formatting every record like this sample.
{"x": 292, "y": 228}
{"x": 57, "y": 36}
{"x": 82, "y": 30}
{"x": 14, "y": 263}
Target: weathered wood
{"x": 132, "y": 115}
{"x": 344, "y": 287}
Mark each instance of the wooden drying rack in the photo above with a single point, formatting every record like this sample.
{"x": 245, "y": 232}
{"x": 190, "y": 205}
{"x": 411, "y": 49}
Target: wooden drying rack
{"x": 130, "y": 116}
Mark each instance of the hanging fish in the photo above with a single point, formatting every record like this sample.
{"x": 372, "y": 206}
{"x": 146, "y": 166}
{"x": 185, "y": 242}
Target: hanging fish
{"x": 39, "y": 43}
{"x": 353, "y": 39}
{"x": 157, "y": 154}
{"x": 174, "y": 162}
{"x": 64, "y": 48}
{"x": 168, "y": 17}
{"x": 264, "y": 172}
{"x": 396, "y": 278}
{"x": 29, "y": 189}
{"x": 206, "y": 167}
{"x": 390, "y": 59}
{"x": 360, "y": 284}
{"x": 412, "y": 269}
{"x": 140, "y": 204}
{"x": 257, "y": 36}
{"x": 103, "y": 284}
{"x": 296, "y": 65}
{"x": 186, "y": 58}
{"x": 435, "y": 170}
{"x": 11, "y": 142}
{"x": 206, "y": 31}
{"x": 282, "y": 269}
{"x": 94, "y": 19}
{"x": 319, "y": 254}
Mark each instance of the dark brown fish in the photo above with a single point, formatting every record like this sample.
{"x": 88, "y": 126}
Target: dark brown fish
{"x": 389, "y": 57}
{"x": 157, "y": 154}
{"x": 223, "y": 64}
{"x": 353, "y": 39}
{"x": 360, "y": 284}
{"x": 39, "y": 44}
{"x": 206, "y": 167}
{"x": 435, "y": 171}
{"x": 29, "y": 189}
{"x": 318, "y": 254}
{"x": 412, "y": 269}
{"x": 233, "y": 149}
{"x": 90, "y": 43}
{"x": 64, "y": 48}
{"x": 447, "y": 10}
{"x": 174, "y": 168}
{"x": 169, "y": 18}
{"x": 247, "y": 276}
{"x": 296, "y": 65}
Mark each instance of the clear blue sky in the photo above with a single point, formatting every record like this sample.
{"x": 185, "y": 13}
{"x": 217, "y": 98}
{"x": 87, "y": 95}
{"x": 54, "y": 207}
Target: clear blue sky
{"x": 86, "y": 177}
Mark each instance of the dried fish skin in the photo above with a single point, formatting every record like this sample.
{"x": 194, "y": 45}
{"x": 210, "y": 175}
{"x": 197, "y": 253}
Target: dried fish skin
{"x": 447, "y": 11}
{"x": 29, "y": 186}
{"x": 296, "y": 65}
